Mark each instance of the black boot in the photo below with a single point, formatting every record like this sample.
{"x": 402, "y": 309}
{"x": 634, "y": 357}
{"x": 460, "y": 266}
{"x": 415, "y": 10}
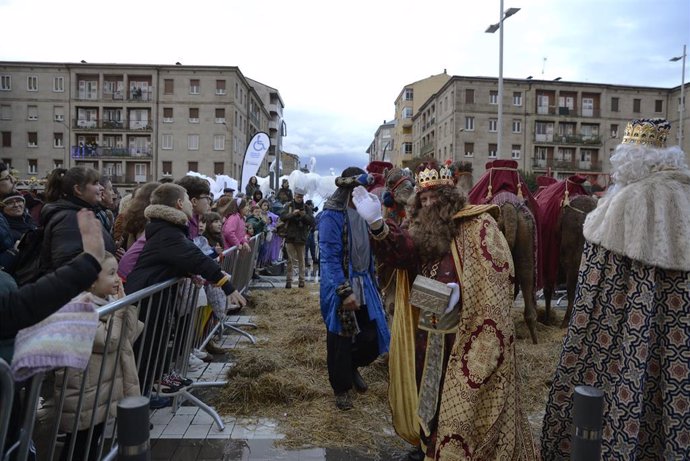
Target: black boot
{"x": 416, "y": 454}
{"x": 343, "y": 401}
{"x": 358, "y": 382}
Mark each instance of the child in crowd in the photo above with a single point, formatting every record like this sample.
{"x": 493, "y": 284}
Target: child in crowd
{"x": 119, "y": 378}
{"x": 214, "y": 231}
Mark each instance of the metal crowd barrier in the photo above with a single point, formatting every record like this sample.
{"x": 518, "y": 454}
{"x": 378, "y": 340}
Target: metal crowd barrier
{"x": 172, "y": 326}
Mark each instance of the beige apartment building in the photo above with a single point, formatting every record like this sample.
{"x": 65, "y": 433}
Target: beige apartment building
{"x": 134, "y": 123}
{"x": 554, "y": 127}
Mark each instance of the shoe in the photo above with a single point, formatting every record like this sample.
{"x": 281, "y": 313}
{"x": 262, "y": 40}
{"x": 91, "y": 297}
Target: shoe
{"x": 416, "y": 454}
{"x": 288, "y": 284}
{"x": 233, "y": 309}
{"x": 176, "y": 376}
{"x": 156, "y": 402}
{"x": 199, "y": 354}
{"x": 358, "y": 382}
{"x": 301, "y": 285}
{"x": 168, "y": 385}
{"x": 343, "y": 401}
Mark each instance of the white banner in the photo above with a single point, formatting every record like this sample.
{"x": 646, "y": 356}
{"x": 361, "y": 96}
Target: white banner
{"x": 253, "y": 156}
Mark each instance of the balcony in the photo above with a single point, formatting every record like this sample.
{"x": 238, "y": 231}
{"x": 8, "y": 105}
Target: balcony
{"x": 137, "y": 95}
{"x": 133, "y": 125}
{"x": 274, "y": 109}
{"x": 426, "y": 148}
{"x": 573, "y": 139}
{"x": 81, "y": 152}
{"x": 566, "y": 165}
{"x": 272, "y": 125}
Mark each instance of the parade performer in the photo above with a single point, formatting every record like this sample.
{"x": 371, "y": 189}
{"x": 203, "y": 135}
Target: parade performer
{"x": 629, "y": 334}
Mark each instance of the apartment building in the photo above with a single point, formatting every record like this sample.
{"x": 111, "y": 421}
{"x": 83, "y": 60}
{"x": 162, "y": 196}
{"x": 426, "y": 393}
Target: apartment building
{"x": 554, "y": 127}
{"x": 134, "y": 123}
{"x": 407, "y": 104}
{"x": 270, "y": 97}
{"x": 383, "y": 144}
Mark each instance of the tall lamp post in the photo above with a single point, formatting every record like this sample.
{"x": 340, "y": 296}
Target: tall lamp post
{"x": 682, "y": 97}
{"x": 490, "y": 30}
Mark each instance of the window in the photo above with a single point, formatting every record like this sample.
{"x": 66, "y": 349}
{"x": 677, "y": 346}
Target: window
{"x": 492, "y": 150}
{"x": 515, "y": 151}
{"x": 637, "y": 103}
{"x": 58, "y": 113}
{"x": 614, "y": 131}
{"x": 193, "y": 142}
{"x": 409, "y": 94}
{"x": 33, "y": 166}
{"x": 407, "y": 112}
{"x": 614, "y": 104}
{"x": 32, "y": 83}
{"x": 193, "y": 115}
{"x": 58, "y": 140}
{"x": 493, "y": 97}
{"x": 5, "y": 112}
{"x": 469, "y": 149}
{"x": 194, "y": 86}
{"x": 469, "y": 123}
{"x": 167, "y": 142}
{"x": 220, "y": 86}
{"x": 192, "y": 166}
{"x": 57, "y": 163}
{"x": 59, "y": 84}
{"x": 140, "y": 172}
{"x": 219, "y": 142}
{"x": 517, "y": 98}
{"x": 517, "y": 126}
{"x": 220, "y": 115}
{"x": 218, "y": 167}
{"x": 32, "y": 138}
{"x": 469, "y": 96}
{"x": 168, "y": 86}
{"x": 167, "y": 115}
{"x": 6, "y": 140}
{"x": 5, "y": 83}
{"x": 167, "y": 168}
{"x": 658, "y": 105}
{"x": 493, "y": 125}
{"x": 32, "y": 112}
{"x": 407, "y": 148}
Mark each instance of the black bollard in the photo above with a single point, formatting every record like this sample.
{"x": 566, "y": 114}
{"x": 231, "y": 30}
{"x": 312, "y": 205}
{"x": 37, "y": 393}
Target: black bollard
{"x": 133, "y": 429}
{"x": 588, "y": 408}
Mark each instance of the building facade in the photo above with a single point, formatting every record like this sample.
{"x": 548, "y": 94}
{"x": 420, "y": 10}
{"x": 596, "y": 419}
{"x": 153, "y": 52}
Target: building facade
{"x": 383, "y": 144}
{"x": 134, "y": 123}
{"x": 549, "y": 127}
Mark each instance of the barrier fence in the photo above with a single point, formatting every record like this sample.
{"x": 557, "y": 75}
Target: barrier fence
{"x": 142, "y": 346}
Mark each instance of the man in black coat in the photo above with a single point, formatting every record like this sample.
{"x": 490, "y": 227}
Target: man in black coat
{"x": 299, "y": 220}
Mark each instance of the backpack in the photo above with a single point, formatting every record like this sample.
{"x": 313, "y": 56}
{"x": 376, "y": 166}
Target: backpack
{"x": 27, "y": 266}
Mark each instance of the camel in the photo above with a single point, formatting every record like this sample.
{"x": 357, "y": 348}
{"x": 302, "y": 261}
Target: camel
{"x": 572, "y": 242}
{"x": 519, "y": 226}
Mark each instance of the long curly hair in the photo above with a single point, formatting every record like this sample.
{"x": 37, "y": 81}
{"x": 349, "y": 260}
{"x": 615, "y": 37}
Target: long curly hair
{"x": 135, "y": 221}
{"x": 432, "y": 227}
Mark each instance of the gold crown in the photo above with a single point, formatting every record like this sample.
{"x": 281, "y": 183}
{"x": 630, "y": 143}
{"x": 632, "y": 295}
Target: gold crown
{"x": 648, "y": 132}
{"x": 430, "y": 177}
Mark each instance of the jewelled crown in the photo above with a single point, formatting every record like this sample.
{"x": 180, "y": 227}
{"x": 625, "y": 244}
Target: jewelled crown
{"x": 432, "y": 176}
{"x": 647, "y": 131}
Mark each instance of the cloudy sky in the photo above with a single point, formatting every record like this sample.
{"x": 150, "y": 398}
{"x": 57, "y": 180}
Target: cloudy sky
{"x": 340, "y": 65}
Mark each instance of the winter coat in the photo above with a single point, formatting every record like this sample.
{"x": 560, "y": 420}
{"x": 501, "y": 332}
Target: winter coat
{"x": 258, "y": 224}
{"x": 169, "y": 253}
{"x": 284, "y": 195}
{"x": 62, "y": 241}
{"x": 234, "y": 231}
{"x": 298, "y": 225}
{"x": 121, "y": 376}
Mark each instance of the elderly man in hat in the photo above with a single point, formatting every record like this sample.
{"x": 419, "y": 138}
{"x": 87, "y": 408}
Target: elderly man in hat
{"x": 629, "y": 334}
{"x": 452, "y": 365}
{"x": 299, "y": 219}
{"x": 351, "y": 305}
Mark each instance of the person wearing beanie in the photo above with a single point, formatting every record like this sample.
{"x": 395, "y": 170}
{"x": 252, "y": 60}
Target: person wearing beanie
{"x": 629, "y": 335}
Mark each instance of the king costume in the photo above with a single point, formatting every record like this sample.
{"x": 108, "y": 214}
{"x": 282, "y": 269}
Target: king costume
{"x": 629, "y": 335}
{"x": 454, "y": 376}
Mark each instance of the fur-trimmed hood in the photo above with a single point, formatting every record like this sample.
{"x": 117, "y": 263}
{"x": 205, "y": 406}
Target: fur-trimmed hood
{"x": 648, "y": 220}
{"x": 166, "y": 213}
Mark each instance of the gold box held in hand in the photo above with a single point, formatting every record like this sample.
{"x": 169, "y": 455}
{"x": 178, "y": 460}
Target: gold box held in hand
{"x": 430, "y": 295}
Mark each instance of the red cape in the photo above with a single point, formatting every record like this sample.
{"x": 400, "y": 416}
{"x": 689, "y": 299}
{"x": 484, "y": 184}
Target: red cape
{"x": 542, "y": 183}
{"x": 551, "y": 201}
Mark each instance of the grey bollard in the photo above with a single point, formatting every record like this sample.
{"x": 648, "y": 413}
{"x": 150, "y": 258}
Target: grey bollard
{"x": 588, "y": 409}
{"x": 133, "y": 429}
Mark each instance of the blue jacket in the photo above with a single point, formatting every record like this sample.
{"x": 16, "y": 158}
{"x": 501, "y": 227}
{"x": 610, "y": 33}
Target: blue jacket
{"x": 332, "y": 223}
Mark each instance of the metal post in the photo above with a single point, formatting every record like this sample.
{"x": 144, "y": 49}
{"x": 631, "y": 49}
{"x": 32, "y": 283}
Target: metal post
{"x": 682, "y": 102}
{"x": 499, "y": 150}
{"x": 133, "y": 429}
{"x": 588, "y": 408}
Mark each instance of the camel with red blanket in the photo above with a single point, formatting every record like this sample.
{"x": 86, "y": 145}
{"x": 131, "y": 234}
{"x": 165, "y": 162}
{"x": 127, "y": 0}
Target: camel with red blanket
{"x": 564, "y": 207}
{"x": 502, "y": 185}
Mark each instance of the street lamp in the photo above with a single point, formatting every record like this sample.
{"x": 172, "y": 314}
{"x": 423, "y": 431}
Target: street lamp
{"x": 682, "y": 96}
{"x": 490, "y": 30}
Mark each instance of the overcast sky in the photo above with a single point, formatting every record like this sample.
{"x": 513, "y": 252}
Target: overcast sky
{"x": 340, "y": 65}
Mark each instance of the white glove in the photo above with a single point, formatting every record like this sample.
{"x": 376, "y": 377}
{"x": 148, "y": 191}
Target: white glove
{"x": 454, "y": 297}
{"x": 368, "y": 205}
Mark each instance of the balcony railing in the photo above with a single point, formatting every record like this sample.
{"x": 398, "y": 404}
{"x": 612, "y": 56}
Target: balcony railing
{"x": 426, "y": 148}
{"x": 566, "y": 165}
{"x": 132, "y": 125}
{"x": 568, "y": 112}
{"x": 579, "y": 139}
{"x": 103, "y": 152}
